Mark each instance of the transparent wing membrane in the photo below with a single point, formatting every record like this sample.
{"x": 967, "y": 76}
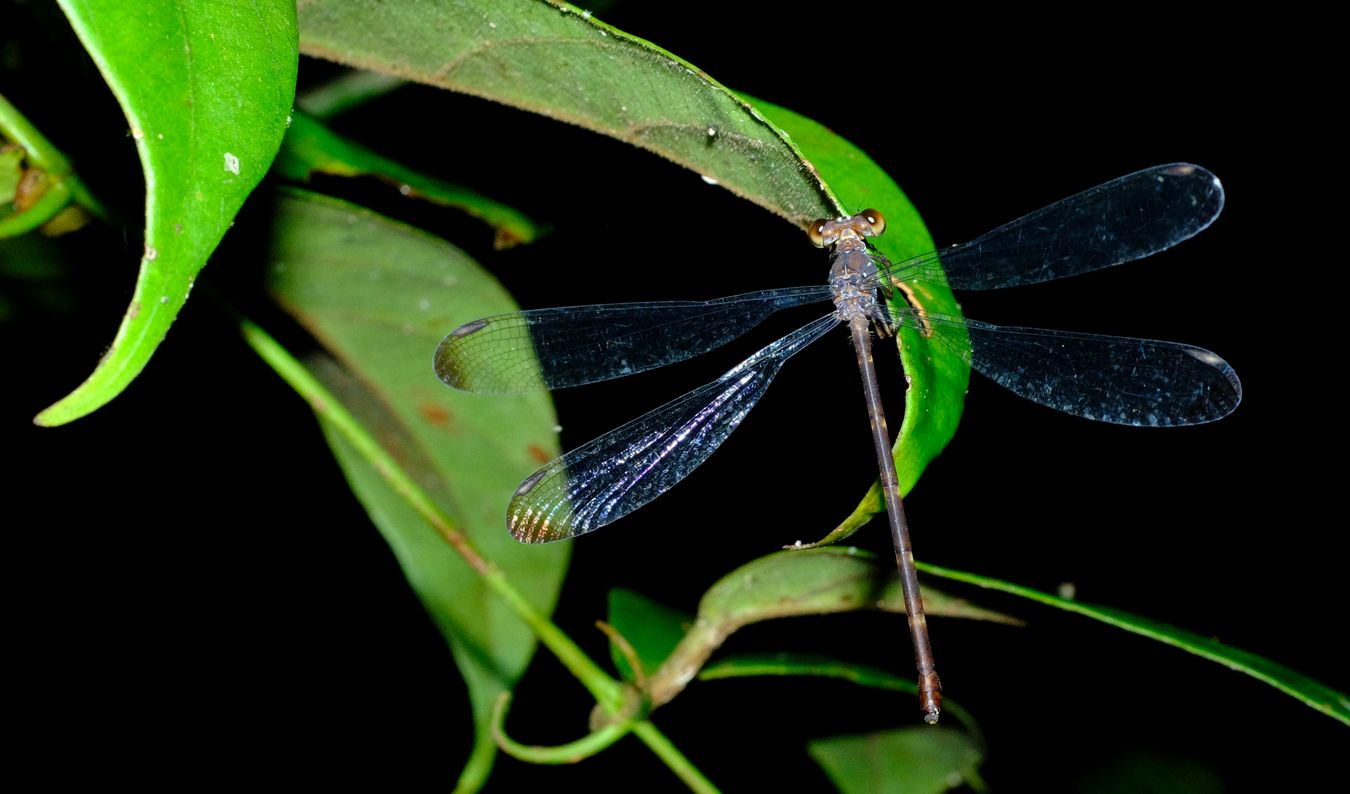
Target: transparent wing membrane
{"x": 1123, "y": 220}
{"x": 575, "y": 345}
{"x": 610, "y": 477}
{"x": 1115, "y": 379}
{"x": 1109, "y": 379}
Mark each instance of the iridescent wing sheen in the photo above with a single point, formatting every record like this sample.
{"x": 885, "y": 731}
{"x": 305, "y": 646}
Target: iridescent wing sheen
{"x": 610, "y": 477}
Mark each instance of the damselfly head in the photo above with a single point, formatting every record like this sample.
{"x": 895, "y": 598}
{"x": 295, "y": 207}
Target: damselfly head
{"x": 868, "y": 223}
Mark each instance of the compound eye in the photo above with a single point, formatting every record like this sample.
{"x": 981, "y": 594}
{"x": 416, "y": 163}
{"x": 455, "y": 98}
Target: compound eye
{"x": 816, "y": 231}
{"x": 875, "y": 220}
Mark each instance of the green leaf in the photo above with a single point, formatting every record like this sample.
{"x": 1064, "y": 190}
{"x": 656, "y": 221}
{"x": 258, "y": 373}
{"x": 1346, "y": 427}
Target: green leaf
{"x": 1319, "y": 696}
{"x": 560, "y": 62}
{"x": 807, "y": 582}
{"x": 311, "y": 147}
{"x": 206, "y": 88}
{"x": 380, "y": 296}
{"x": 908, "y": 761}
{"x": 938, "y": 378}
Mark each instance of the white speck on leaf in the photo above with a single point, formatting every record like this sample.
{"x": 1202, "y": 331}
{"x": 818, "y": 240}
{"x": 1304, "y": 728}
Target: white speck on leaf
{"x": 708, "y": 179}
{"x": 232, "y": 164}
{"x": 151, "y": 254}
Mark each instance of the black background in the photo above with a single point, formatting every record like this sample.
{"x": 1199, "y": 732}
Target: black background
{"x": 173, "y": 620}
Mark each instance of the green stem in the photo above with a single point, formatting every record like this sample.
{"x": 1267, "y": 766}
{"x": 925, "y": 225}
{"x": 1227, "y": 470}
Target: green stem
{"x": 598, "y": 740}
{"x": 673, "y": 758}
{"x": 476, "y": 769}
{"x": 569, "y": 753}
{"x": 16, "y": 127}
{"x": 44, "y": 209}
{"x": 607, "y": 691}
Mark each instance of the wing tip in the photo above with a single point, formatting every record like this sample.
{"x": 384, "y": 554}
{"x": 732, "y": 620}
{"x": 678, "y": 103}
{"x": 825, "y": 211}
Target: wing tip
{"x": 529, "y": 523}
{"x": 446, "y": 361}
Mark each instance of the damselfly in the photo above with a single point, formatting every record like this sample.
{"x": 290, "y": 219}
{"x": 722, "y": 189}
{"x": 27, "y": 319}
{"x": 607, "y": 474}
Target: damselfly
{"x": 1106, "y": 378}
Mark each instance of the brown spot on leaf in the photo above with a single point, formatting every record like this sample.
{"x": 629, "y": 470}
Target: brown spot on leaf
{"x": 539, "y": 454}
{"x": 435, "y": 414}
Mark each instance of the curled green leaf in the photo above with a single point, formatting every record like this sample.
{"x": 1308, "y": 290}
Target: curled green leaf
{"x": 206, "y": 88}
{"x": 808, "y": 582}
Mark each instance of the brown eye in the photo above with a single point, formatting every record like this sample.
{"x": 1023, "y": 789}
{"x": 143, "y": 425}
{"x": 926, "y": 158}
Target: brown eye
{"x": 816, "y": 231}
{"x": 874, "y": 219}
